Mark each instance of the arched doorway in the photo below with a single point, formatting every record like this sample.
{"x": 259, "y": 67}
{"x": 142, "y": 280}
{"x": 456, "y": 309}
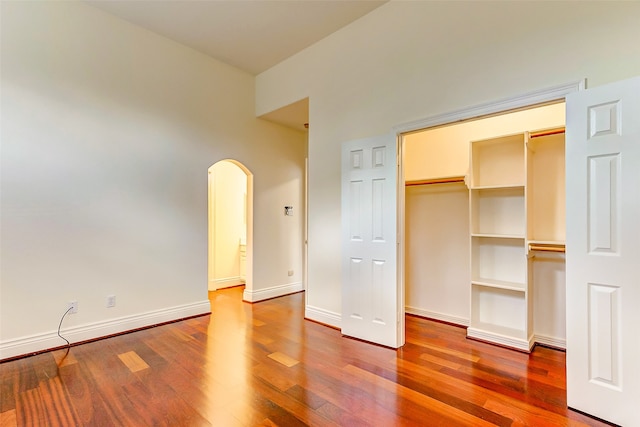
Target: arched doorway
{"x": 230, "y": 221}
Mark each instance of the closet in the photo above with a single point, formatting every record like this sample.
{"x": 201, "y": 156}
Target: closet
{"x": 484, "y": 226}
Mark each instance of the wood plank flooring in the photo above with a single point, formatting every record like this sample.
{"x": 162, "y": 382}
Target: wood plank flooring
{"x": 263, "y": 365}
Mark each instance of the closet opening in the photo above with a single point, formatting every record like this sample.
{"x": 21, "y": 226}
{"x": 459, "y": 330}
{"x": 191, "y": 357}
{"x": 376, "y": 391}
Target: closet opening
{"x": 484, "y": 226}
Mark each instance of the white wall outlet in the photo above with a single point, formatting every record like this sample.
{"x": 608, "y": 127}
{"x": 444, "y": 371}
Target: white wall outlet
{"x": 72, "y": 307}
{"x": 290, "y": 273}
{"x": 288, "y": 210}
{"x": 111, "y": 301}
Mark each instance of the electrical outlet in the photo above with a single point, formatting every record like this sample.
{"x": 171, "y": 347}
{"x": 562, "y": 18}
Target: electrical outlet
{"x": 111, "y": 301}
{"x": 73, "y": 305}
{"x": 290, "y": 273}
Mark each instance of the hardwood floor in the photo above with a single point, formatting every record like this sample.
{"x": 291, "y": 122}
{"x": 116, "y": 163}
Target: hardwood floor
{"x": 262, "y": 364}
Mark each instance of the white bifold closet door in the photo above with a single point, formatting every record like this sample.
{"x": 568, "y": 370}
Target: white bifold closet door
{"x": 370, "y": 295}
{"x": 603, "y": 251}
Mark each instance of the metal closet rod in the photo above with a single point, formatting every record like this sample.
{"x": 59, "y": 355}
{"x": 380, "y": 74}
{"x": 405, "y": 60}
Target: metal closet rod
{"x": 547, "y": 132}
{"x": 547, "y": 248}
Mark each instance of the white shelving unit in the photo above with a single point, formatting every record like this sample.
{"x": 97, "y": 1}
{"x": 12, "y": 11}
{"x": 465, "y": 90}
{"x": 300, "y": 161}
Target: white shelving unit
{"x": 517, "y": 227}
{"x": 500, "y": 287}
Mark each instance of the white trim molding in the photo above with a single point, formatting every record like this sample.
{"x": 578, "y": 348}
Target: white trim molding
{"x": 437, "y": 316}
{"x": 519, "y": 344}
{"x": 40, "y": 342}
{"x": 554, "y": 342}
{"x": 271, "y": 292}
{"x": 323, "y": 316}
{"x": 500, "y": 106}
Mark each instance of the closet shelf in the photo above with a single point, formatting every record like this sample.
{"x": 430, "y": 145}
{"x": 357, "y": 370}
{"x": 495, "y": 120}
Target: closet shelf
{"x": 498, "y": 236}
{"x": 444, "y": 180}
{"x": 499, "y": 284}
{"x": 496, "y": 187}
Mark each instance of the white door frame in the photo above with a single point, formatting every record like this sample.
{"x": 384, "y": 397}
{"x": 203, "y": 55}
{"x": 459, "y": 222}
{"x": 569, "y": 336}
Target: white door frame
{"x": 506, "y": 105}
{"x": 305, "y": 233}
{"x": 494, "y": 108}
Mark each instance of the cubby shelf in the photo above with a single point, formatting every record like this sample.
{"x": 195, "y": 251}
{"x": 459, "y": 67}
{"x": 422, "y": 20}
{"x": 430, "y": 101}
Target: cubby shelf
{"x": 498, "y": 211}
{"x": 498, "y": 284}
{"x": 498, "y": 162}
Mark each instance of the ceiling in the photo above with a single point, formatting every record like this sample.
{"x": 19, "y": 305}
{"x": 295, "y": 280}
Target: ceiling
{"x": 253, "y": 35}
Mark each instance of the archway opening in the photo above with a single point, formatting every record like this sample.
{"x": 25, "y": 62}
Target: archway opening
{"x": 230, "y": 221}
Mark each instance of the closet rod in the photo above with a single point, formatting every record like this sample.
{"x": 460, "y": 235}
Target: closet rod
{"x": 547, "y": 248}
{"x": 546, "y": 133}
{"x": 435, "y": 181}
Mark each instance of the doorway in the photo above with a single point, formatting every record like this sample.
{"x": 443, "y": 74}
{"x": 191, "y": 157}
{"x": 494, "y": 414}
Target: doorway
{"x": 458, "y": 234}
{"x": 230, "y": 219}
{"x": 356, "y": 212}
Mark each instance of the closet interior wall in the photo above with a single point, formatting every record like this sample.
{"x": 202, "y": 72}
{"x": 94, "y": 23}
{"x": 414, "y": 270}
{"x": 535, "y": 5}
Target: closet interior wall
{"x": 546, "y": 235}
{"x": 437, "y": 261}
{"x": 438, "y": 265}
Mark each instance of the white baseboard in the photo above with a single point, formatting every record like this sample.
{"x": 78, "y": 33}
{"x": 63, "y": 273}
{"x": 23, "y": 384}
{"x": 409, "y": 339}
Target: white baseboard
{"x": 517, "y": 343}
{"x": 323, "y": 316}
{"x": 551, "y": 341}
{"x": 272, "y": 292}
{"x": 39, "y": 342}
{"x": 437, "y": 316}
{"x": 226, "y": 282}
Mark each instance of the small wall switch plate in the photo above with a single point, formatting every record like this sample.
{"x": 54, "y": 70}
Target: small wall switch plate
{"x": 288, "y": 210}
{"x": 290, "y": 273}
{"x": 111, "y": 301}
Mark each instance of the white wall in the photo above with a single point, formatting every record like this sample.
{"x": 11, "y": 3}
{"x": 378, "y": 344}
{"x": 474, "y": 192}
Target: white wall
{"x": 107, "y": 134}
{"x": 437, "y": 252}
{"x": 410, "y": 60}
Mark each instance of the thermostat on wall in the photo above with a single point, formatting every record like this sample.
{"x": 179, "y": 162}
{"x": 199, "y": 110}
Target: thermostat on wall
{"x": 288, "y": 210}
